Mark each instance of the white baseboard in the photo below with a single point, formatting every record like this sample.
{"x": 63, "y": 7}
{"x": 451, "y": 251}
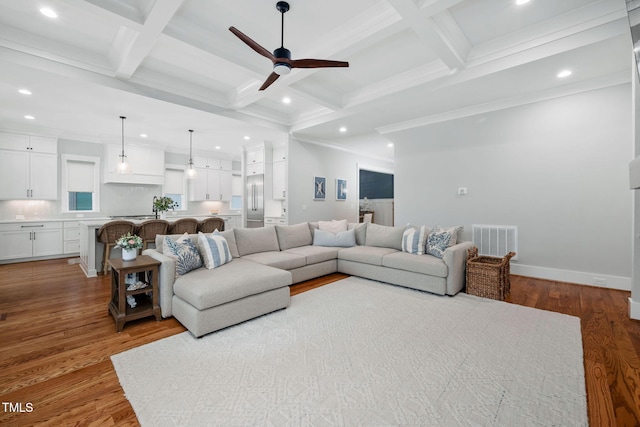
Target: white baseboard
{"x": 634, "y": 309}
{"x": 579, "y": 277}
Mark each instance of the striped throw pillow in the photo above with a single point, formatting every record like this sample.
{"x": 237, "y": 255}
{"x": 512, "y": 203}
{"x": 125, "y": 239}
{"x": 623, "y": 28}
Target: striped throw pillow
{"x": 214, "y": 249}
{"x": 414, "y": 239}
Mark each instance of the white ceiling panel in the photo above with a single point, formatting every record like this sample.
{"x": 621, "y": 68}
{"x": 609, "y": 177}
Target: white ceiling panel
{"x": 172, "y": 65}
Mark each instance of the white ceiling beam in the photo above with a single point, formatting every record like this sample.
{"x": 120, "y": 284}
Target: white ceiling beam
{"x": 134, "y": 48}
{"x": 433, "y": 32}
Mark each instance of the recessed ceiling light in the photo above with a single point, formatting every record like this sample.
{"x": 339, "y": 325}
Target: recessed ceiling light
{"x": 217, "y": 147}
{"x": 143, "y": 135}
{"x": 286, "y": 100}
{"x": 25, "y": 91}
{"x": 343, "y": 129}
{"x": 247, "y": 137}
{"x": 521, "y": 2}
{"x": 49, "y": 13}
{"x": 390, "y": 145}
{"x": 564, "y": 73}
{"x": 29, "y": 117}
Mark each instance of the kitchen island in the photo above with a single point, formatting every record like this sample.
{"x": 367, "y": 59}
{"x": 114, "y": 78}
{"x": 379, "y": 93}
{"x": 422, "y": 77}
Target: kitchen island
{"x": 92, "y": 251}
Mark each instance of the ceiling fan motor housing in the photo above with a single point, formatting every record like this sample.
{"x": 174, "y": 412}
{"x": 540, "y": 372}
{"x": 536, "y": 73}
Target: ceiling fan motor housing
{"x": 282, "y": 68}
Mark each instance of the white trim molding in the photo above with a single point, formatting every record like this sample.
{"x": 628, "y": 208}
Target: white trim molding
{"x": 634, "y": 309}
{"x": 577, "y": 277}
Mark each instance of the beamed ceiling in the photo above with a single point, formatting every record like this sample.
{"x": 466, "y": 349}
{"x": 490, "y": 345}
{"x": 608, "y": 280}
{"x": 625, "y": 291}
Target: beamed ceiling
{"x": 173, "y": 65}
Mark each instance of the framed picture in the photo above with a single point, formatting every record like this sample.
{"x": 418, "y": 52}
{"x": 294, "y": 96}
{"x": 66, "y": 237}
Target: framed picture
{"x": 319, "y": 188}
{"x": 341, "y": 189}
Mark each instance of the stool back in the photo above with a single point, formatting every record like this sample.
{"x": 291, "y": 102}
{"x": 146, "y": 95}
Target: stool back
{"x": 209, "y": 225}
{"x": 184, "y": 225}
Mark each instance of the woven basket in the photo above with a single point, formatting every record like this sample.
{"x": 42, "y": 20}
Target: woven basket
{"x": 488, "y": 277}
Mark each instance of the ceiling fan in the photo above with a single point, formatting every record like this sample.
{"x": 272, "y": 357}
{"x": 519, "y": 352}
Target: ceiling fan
{"x": 281, "y": 57}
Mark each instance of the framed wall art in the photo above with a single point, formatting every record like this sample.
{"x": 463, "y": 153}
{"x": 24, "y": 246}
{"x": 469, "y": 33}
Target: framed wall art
{"x": 341, "y": 189}
{"x": 319, "y": 188}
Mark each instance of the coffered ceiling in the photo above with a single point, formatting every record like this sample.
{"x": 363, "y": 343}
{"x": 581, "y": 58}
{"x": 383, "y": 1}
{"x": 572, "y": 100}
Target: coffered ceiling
{"x": 173, "y": 65}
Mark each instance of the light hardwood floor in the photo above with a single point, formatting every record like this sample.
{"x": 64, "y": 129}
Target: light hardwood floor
{"x": 56, "y": 338}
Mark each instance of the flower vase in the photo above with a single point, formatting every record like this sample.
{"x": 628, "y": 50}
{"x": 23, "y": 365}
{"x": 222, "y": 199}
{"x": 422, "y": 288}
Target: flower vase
{"x": 163, "y": 215}
{"x": 129, "y": 254}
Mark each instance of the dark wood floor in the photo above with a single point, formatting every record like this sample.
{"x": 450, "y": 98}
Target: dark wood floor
{"x": 56, "y": 338}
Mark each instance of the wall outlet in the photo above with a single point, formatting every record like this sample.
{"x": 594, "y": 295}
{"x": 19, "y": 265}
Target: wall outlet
{"x": 599, "y": 282}
{"x": 462, "y": 191}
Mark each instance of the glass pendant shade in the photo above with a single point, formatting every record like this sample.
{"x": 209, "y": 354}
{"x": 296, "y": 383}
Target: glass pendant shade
{"x": 191, "y": 171}
{"x": 123, "y": 166}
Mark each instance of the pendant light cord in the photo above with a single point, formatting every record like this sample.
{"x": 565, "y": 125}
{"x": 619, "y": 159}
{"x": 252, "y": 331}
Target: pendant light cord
{"x": 122, "y": 118}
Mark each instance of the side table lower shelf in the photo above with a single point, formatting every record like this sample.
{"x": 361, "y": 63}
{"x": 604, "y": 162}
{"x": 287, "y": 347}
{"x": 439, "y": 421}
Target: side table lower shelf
{"x": 145, "y": 269}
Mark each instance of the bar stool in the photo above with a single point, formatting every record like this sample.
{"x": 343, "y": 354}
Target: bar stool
{"x": 209, "y": 225}
{"x": 184, "y": 225}
{"x": 108, "y": 234}
{"x": 147, "y": 230}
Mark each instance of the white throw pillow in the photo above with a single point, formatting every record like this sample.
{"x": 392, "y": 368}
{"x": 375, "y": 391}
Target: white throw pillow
{"x": 333, "y": 226}
{"x": 452, "y": 230}
{"x": 414, "y": 240}
{"x": 214, "y": 249}
{"x": 343, "y": 239}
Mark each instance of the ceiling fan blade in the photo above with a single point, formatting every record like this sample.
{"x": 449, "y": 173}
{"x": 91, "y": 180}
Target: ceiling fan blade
{"x": 316, "y": 63}
{"x": 272, "y": 78}
{"x": 252, "y": 44}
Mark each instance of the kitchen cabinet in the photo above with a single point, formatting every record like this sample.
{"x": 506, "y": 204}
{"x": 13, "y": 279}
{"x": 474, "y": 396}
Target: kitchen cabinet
{"x": 275, "y": 220}
{"x": 28, "y": 167}
{"x": 211, "y": 184}
{"x": 30, "y": 239}
{"x": 211, "y": 163}
{"x": 71, "y": 237}
{"x": 147, "y": 165}
{"x": 255, "y": 156}
{"x": 280, "y": 180}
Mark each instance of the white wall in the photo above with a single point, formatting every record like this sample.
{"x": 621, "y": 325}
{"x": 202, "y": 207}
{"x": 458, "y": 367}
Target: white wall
{"x": 309, "y": 160}
{"x": 556, "y": 169}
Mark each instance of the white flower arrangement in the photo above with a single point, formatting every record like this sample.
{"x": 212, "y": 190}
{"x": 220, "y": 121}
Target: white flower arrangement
{"x": 129, "y": 241}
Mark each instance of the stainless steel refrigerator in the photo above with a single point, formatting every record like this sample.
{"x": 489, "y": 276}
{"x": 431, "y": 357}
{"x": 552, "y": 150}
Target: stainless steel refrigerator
{"x": 255, "y": 201}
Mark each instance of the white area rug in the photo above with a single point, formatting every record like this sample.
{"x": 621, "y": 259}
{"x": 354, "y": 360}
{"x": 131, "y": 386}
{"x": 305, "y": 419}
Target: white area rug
{"x": 358, "y": 352}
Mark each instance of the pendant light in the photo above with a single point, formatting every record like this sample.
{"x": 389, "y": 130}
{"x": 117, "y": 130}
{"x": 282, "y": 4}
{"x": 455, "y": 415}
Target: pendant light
{"x": 123, "y": 167}
{"x": 191, "y": 172}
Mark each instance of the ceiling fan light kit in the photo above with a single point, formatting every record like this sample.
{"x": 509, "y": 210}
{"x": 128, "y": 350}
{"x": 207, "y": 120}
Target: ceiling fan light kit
{"x": 281, "y": 57}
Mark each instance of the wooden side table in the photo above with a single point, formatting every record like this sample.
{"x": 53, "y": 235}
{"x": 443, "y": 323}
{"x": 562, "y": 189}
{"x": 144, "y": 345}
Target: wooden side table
{"x": 145, "y": 269}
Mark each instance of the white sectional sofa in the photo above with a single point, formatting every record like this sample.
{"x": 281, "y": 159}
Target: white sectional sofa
{"x": 267, "y": 260}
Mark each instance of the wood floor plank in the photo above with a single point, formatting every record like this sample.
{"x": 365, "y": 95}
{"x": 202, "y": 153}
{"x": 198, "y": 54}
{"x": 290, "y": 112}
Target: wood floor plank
{"x": 57, "y": 339}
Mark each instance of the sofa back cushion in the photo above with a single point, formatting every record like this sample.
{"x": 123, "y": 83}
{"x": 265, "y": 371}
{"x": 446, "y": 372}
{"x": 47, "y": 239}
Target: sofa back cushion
{"x": 360, "y": 230}
{"x": 230, "y": 237}
{"x": 254, "y": 240}
{"x": 383, "y": 236}
{"x": 293, "y": 236}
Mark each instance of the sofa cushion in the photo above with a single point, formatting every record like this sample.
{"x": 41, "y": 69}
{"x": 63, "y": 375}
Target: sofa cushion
{"x": 344, "y": 239}
{"x": 184, "y": 251}
{"x": 383, "y": 236}
{"x": 315, "y": 254}
{"x": 209, "y": 288}
{"x": 278, "y": 259}
{"x": 230, "y": 237}
{"x": 414, "y": 240}
{"x": 424, "y": 264}
{"x": 293, "y": 236}
{"x": 214, "y": 249}
{"x": 333, "y": 226}
{"x": 254, "y": 240}
{"x": 437, "y": 242}
{"x": 365, "y": 254}
{"x": 361, "y": 231}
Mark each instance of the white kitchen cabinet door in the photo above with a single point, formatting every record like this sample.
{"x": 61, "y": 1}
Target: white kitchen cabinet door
{"x": 47, "y": 242}
{"x": 14, "y": 174}
{"x": 16, "y": 244}
{"x": 226, "y": 179}
{"x": 43, "y": 176}
{"x": 280, "y": 180}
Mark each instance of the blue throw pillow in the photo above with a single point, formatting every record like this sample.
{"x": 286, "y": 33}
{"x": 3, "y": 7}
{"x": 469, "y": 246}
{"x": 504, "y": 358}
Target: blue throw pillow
{"x": 437, "y": 242}
{"x": 185, "y": 253}
{"x": 214, "y": 249}
{"x": 414, "y": 240}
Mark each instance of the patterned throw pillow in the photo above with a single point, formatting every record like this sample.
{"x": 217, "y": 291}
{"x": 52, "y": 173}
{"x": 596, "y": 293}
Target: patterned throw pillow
{"x": 437, "y": 242}
{"x": 414, "y": 239}
{"x": 214, "y": 249}
{"x": 185, "y": 253}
